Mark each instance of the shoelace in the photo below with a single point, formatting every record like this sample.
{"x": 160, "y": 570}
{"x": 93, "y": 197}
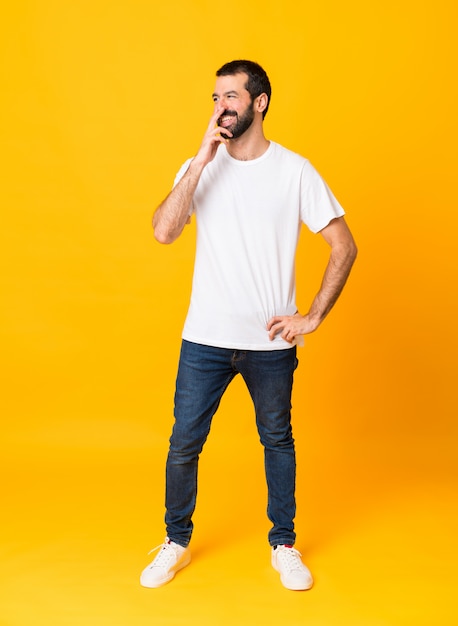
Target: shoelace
{"x": 291, "y": 558}
{"x": 167, "y": 552}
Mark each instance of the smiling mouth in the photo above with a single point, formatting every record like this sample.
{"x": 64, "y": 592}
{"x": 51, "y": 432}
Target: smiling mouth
{"x": 226, "y": 120}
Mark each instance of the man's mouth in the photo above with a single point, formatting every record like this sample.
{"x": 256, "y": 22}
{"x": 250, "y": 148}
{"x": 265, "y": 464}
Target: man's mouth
{"x": 227, "y": 119}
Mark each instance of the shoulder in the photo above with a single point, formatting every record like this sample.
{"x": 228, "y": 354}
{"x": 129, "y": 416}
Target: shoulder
{"x": 285, "y": 154}
{"x": 295, "y": 160}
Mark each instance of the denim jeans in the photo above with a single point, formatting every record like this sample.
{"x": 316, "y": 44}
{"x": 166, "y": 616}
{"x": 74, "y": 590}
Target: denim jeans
{"x": 204, "y": 373}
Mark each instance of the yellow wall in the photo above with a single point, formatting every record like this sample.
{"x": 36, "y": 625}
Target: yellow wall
{"x": 101, "y": 103}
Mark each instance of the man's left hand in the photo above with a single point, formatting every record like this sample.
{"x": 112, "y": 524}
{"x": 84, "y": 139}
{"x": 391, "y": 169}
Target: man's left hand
{"x": 290, "y": 326}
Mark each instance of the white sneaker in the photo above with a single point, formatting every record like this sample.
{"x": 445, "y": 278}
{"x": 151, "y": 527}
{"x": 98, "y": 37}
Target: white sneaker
{"x": 293, "y": 573}
{"x": 170, "y": 559}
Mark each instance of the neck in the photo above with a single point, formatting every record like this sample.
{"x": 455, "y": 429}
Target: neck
{"x": 251, "y": 145}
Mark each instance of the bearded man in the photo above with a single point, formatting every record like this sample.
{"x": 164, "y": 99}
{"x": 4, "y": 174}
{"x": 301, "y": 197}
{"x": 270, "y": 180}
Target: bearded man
{"x": 249, "y": 196}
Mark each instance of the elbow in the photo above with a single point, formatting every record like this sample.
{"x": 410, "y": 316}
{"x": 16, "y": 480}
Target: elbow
{"x": 353, "y": 253}
{"x": 166, "y": 235}
{"x": 163, "y": 237}
{"x": 350, "y": 249}
{"x": 346, "y": 253}
{"x": 161, "y": 233}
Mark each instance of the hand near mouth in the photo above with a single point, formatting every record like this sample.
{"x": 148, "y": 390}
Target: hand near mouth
{"x": 213, "y": 137}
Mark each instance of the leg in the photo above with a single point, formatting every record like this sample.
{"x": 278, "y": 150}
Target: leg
{"x": 269, "y": 378}
{"x": 203, "y": 375}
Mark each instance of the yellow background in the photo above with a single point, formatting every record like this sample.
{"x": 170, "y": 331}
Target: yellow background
{"x": 101, "y": 103}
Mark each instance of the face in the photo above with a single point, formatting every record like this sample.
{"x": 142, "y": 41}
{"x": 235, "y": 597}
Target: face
{"x": 238, "y": 114}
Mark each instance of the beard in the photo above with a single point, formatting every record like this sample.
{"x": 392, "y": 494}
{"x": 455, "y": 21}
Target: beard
{"x": 242, "y": 123}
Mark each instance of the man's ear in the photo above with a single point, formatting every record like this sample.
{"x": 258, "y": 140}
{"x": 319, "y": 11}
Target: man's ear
{"x": 261, "y": 102}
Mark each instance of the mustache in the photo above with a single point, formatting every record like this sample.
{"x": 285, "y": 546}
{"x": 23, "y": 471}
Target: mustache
{"x": 227, "y": 112}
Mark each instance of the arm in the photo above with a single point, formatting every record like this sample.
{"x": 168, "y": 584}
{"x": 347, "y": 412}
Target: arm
{"x": 172, "y": 214}
{"x": 343, "y": 254}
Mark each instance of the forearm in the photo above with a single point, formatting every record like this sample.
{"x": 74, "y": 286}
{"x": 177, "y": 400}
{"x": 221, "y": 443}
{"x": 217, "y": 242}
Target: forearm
{"x": 334, "y": 279}
{"x": 172, "y": 214}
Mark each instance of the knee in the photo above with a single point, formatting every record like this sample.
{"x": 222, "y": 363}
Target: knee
{"x": 276, "y": 438}
{"x": 184, "y": 448}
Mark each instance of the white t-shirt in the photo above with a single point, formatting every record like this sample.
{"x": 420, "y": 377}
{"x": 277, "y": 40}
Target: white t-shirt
{"x": 249, "y": 215}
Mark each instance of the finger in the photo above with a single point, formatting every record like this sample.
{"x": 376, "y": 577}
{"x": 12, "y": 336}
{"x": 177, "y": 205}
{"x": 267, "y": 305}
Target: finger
{"x": 224, "y": 131}
{"x": 212, "y": 139}
{"x": 288, "y": 336}
{"x": 216, "y": 137}
{"x": 272, "y": 321}
{"x": 219, "y": 108}
{"x": 274, "y": 330}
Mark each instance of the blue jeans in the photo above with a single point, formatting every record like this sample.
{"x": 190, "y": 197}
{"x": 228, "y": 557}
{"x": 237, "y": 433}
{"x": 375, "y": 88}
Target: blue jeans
{"x": 204, "y": 373}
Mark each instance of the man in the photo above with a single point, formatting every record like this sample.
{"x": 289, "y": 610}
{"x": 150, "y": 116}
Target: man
{"x": 249, "y": 196}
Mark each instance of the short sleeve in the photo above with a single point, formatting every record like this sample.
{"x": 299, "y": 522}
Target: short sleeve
{"x": 318, "y": 204}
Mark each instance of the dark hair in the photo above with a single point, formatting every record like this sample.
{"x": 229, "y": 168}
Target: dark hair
{"x": 258, "y": 81}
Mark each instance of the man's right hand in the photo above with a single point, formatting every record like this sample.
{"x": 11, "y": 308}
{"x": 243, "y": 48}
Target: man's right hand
{"x": 212, "y": 138}
{"x": 173, "y": 213}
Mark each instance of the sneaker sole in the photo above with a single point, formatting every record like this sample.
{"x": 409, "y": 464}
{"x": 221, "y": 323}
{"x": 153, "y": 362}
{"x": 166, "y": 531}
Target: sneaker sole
{"x": 297, "y": 588}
